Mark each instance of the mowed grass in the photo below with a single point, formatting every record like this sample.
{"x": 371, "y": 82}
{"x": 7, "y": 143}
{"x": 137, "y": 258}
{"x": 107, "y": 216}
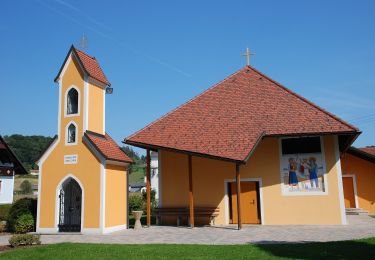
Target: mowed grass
{"x": 359, "y": 249}
{"x": 137, "y": 176}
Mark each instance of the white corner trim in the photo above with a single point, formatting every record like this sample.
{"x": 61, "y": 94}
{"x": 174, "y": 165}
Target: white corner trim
{"x": 226, "y": 197}
{"x": 66, "y": 100}
{"x": 114, "y": 229}
{"x": 354, "y": 187}
{"x": 39, "y": 198}
{"x": 66, "y": 65}
{"x": 159, "y": 179}
{"x": 86, "y": 104}
{"x": 57, "y": 200}
{"x": 339, "y": 181}
{"x": 103, "y": 111}
{"x": 102, "y": 195}
{"x": 59, "y": 109}
{"x": 67, "y": 133}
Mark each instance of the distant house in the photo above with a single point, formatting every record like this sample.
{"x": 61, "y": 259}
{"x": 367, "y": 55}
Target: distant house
{"x": 137, "y": 187}
{"x": 9, "y": 166}
{"x": 154, "y": 173}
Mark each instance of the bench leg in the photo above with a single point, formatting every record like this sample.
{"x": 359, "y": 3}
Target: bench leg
{"x": 178, "y": 221}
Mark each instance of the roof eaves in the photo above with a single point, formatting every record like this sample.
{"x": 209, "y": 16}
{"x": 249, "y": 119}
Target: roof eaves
{"x": 260, "y": 138}
{"x": 361, "y": 154}
{"x": 156, "y": 147}
{"x": 92, "y": 144}
{"x": 13, "y": 155}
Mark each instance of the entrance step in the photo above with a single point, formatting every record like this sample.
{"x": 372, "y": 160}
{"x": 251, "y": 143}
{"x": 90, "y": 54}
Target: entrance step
{"x": 355, "y": 211}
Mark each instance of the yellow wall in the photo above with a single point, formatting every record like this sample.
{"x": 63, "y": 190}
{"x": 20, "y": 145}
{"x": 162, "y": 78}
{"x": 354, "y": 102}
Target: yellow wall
{"x": 96, "y": 109}
{"x": 208, "y": 185}
{"x": 87, "y": 170}
{"x": 115, "y": 199}
{"x": 364, "y": 172}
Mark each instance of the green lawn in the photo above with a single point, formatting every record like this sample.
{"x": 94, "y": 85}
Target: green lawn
{"x": 360, "y": 249}
{"x": 137, "y": 175}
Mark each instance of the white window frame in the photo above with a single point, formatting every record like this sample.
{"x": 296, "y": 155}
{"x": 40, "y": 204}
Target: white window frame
{"x": 66, "y": 102}
{"x": 67, "y": 133}
{"x": 325, "y": 178}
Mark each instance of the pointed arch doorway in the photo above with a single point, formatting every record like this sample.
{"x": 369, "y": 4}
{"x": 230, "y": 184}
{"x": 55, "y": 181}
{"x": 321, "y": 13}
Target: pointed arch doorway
{"x": 70, "y": 206}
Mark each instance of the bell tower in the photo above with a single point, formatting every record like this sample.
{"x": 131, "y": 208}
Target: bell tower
{"x": 83, "y": 173}
{"x": 83, "y": 88}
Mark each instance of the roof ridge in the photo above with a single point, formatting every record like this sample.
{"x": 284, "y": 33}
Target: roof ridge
{"x": 187, "y": 102}
{"x": 84, "y": 53}
{"x": 304, "y": 99}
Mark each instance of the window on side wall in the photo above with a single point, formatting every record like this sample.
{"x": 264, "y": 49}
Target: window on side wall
{"x": 302, "y": 166}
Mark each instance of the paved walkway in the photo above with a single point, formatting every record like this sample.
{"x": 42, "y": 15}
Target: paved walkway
{"x": 360, "y": 226}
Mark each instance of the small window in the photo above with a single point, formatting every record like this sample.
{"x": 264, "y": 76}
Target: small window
{"x": 71, "y": 134}
{"x": 301, "y": 145}
{"x": 72, "y": 102}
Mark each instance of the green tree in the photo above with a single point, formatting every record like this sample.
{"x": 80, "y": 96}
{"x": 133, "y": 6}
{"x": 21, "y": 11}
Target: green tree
{"x": 26, "y": 187}
{"x": 28, "y": 149}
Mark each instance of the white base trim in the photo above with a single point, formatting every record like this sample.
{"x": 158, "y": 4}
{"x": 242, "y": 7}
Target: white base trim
{"x": 114, "y": 229}
{"x": 47, "y": 230}
{"x": 86, "y": 231}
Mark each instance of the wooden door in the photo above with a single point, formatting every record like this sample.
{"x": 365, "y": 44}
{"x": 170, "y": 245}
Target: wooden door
{"x": 349, "y": 198}
{"x": 249, "y": 203}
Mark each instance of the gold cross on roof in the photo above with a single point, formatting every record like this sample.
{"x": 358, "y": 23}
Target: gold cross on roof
{"x": 248, "y": 54}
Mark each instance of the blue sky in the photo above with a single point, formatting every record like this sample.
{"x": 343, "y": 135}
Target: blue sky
{"x": 159, "y": 54}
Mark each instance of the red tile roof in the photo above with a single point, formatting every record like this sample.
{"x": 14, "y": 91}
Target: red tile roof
{"x": 368, "y": 149}
{"x": 107, "y": 147}
{"x": 92, "y": 67}
{"x": 89, "y": 64}
{"x": 228, "y": 120}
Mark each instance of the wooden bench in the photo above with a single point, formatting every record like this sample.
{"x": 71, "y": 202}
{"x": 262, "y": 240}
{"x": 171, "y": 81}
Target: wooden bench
{"x": 210, "y": 212}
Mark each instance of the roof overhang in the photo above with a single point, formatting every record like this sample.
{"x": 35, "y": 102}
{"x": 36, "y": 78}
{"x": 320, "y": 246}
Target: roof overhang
{"x": 345, "y": 139}
{"x": 73, "y": 51}
{"x": 361, "y": 154}
{"x": 100, "y": 155}
{"x": 18, "y": 167}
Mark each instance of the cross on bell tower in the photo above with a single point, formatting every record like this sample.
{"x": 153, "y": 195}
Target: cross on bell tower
{"x": 248, "y": 54}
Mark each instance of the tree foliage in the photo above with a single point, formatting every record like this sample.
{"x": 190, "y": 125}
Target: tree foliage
{"x": 28, "y": 148}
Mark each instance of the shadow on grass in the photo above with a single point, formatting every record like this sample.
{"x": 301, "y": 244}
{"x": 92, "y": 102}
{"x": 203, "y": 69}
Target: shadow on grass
{"x": 355, "y": 249}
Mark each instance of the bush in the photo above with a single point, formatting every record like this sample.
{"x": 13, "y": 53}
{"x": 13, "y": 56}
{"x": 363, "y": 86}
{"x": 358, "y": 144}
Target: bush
{"x": 135, "y": 202}
{"x": 24, "y": 224}
{"x": 4, "y": 211}
{"x": 153, "y": 201}
{"x": 24, "y": 239}
{"x": 19, "y": 208}
{"x": 26, "y": 187}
